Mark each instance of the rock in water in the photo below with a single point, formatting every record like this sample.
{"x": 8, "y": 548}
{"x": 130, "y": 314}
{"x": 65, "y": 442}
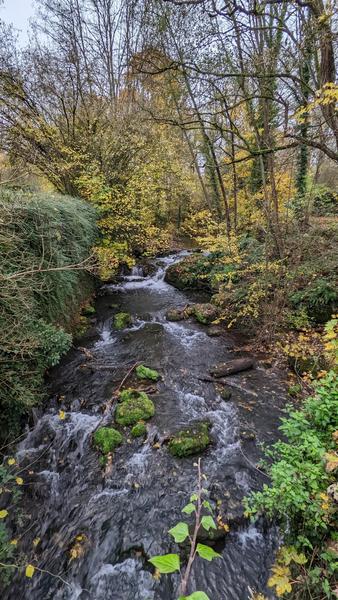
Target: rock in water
{"x": 232, "y": 367}
{"x": 205, "y": 313}
{"x": 190, "y": 441}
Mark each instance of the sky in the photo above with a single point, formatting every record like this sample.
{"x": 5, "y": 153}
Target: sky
{"x": 18, "y": 12}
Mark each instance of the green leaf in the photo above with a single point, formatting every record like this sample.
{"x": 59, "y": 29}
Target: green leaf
{"x": 167, "y": 563}
{"x": 195, "y": 596}
{"x": 180, "y": 532}
{"x": 208, "y": 523}
{"x": 207, "y": 505}
{"x": 193, "y": 498}
{"x": 188, "y": 509}
{"x": 206, "y": 552}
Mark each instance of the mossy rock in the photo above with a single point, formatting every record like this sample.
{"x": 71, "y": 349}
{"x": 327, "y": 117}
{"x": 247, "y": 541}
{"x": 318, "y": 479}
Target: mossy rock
{"x": 88, "y": 310}
{"x": 122, "y": 320}
{"x": 192, "y": 440}
{"x": 143, "y": 372}
{"x": 175, "y": 314}
{"x": 106, "y": 439}
{"x": 134, "y": 406}
{"x": 139, "y": 430}
{"x": 205, "y": 313}
{"x": 81, "y": 327}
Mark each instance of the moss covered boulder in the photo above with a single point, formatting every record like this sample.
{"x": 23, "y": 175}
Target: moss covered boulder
{"x": 122, "y": 320}
{"x": 143, "y": 372}
{"x": 205, "y": 313}
{"x": 106, "y": 439}
{"x": 134, "y": 406}
{"x": 139, "y": 430}
{"x": 192, "y": 440}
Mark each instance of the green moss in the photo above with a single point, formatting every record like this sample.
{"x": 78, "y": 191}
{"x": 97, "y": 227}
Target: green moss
{"x": 134, "y": 406}
{"x": 139, "y": 430}
{"x": 189, "y": 441}
{"x": 143, "y": 372}
{"x": 122, "y": 320}
{"x": 106, "y": 439}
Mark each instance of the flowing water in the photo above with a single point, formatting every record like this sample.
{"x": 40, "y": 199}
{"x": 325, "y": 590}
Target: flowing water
{"x": 124, "y": 516}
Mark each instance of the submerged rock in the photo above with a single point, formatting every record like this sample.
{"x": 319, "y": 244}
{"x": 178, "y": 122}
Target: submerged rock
{"x": 232, "y": 367}
{"x": 139, "y": 430}
{"x": 215, "y": 331}
{"x": 106, "y": 439}
{"x": 190, "y": 441}
{"x": 134, "y": 406}
{"x": 247, "y": 435}
{"x": 205, "y": 313}
{"x": 122, "y": 320}
{"x": 143, "y": 372}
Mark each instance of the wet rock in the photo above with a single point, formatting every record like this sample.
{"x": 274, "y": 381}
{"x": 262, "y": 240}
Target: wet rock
{"x": 175, "y": 314}
{"x": 139, "y": 430}
{"x": 134, "y": 406}
{"x": 192, "y": 440}
{"x": 215, "y": 331}
{"x": 205, "y": 313}
{"x": 122, "y": 320}
{"x": 106, "y": 439}
{"x": 247, "y": 435}
{"x": 143, "y": 372}
{"x": 232, "y": 367}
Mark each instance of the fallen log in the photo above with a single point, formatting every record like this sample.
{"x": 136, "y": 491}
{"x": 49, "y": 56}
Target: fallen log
{"x": 231, "y": 367}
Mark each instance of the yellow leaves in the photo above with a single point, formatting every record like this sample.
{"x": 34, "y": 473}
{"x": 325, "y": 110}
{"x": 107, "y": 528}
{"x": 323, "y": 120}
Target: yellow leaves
{"x": 3, "y": 514}
{"x": 78, "y": 548}
{"x": 157, "y": 575}
{"x": 14, "y": 542}
{"x": 331, "y": 462}
{"x": 30, "y": 570}
{"x": 11, "y": 461}
{"x": 62, "y": 415}
{"x": 222, "y": 525}
{"x": 19, "y": 480}
{"x": 280, "y": 579}
{"x": 36, "y": 542}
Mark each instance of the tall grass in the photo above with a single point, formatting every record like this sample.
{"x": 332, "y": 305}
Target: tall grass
{"x": 37, "y": 232}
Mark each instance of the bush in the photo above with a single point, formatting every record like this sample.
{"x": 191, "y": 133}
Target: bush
{"x": 38, "y": 232}
{"x": 303, "y": 478}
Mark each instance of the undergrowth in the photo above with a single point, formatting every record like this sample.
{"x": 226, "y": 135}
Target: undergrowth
{"x": 40, "y": 236}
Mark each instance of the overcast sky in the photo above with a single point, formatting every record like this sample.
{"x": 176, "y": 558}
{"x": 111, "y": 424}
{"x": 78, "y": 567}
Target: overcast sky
{"x": 18, "y": 12}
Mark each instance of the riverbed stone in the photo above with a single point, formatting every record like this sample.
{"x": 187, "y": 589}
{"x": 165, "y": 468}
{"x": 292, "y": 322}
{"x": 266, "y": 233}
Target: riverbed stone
{"x": 231, "y": 367}
{"x": 106, "y": 439}
{"x": 175, "y": 314}
{"x": 134, "y": 406}
{"x": 122, "y": 320}
{"x": 215, "y": 331}
{"x": 205, "y": 313}
{"x": 192, "y": 440}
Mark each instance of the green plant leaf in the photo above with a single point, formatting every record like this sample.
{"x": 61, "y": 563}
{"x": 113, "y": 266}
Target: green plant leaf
{"x": 193, "y": 498}
{"x": 188, "y": 509}
{"x": 207, "y": 505}
{"x": 180, "y": 532}
{"x": 168, "y": 563}
{"x": 208, "y": 523}
{"x": 195, "y": 596}
{"x": 206, "y": 552}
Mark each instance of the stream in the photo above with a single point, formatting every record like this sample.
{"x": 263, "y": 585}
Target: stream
{"x": 124, "y": 517}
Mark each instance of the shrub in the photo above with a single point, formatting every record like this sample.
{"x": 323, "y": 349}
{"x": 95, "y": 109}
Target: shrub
{"x": 38, "y": 233}
{"x": 302, "y": 474}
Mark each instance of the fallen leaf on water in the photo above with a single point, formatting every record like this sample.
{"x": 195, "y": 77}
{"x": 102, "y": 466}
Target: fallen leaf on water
{"x": 62, "y": 415}
{"x": 3, "y": 514}
{"x": 30, "y": 571}
{"x": 11, "y": 461}
{"x": 19, "y": 480}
